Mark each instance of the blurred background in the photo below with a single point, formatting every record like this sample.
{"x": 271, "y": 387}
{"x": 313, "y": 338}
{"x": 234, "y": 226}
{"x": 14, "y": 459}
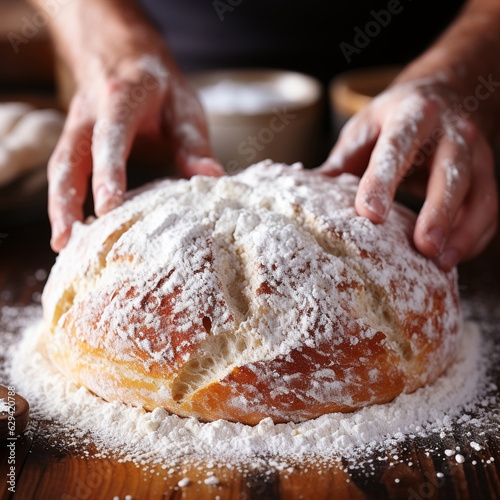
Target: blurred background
{"x": 328, "y": 87}
{"x": 27, "y": 76}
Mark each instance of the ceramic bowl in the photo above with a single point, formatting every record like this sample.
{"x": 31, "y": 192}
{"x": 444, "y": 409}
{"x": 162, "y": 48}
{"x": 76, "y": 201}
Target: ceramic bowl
{"x": 255, "y": 114}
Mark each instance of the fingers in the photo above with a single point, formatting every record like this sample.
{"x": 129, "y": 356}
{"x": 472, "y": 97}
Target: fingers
{"x": 392, "y": 157}
{"x": 401, "y": 131}
{"x": 476, "y": 223}
{"x": 448, "y": 185}
{"x": 109, "y": 157}
{"x": 351, "y": 152}
{"x": 68, "y": 172}
{"x": 188, "y": 130}
{"x": 112, "y": 140}
{"x": 123, "y": 108}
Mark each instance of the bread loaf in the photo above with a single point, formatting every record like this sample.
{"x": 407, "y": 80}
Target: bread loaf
{"x": 252, "y": 296}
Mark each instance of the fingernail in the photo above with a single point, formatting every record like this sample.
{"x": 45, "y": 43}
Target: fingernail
{"x": 106, "y": 199}
{"x": 59, "y": 236}
{"x": 331, "y": 165}
{"x": 376, "y": 205}
{"x": 436, "y": 237}
{"x": 101, "y": 199}
{"x": 449, "y": 259}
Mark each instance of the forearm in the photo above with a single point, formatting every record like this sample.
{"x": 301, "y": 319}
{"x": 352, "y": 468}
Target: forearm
{"x": 115, "y": 30}
{"x": 465, "y": 57}
{"x": 126, "y": 84}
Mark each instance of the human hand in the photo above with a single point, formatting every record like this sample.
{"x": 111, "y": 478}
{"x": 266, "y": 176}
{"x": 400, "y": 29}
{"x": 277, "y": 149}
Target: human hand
{"x": 412, "y": 127}
{"x": 132, "y": 88}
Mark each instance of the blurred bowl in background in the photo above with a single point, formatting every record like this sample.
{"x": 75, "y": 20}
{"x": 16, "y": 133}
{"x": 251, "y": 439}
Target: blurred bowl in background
{"x": 254, "y": 114}
{"x": 351, "y": 91}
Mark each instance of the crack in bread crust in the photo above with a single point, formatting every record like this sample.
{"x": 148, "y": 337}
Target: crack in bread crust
{"x": 374, "y": 300}
{"x": 226, "y": 350}
{"x": 214, "y": 288}
{"x": 68, "y": 296}
{"x": 222, "y": 350}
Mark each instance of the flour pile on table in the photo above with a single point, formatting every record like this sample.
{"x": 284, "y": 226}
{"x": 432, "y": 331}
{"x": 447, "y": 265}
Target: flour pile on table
{"x": 77, "y": 417}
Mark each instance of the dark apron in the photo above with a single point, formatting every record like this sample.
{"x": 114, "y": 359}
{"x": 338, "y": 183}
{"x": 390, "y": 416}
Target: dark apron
{"x": 317, "y": 37}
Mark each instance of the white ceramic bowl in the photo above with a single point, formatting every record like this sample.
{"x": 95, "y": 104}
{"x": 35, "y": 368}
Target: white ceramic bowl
{"x": 254, "y": 114}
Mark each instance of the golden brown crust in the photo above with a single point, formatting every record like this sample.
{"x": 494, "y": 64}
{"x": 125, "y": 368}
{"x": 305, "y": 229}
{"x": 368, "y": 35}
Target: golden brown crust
{"x": 250, "y": 307}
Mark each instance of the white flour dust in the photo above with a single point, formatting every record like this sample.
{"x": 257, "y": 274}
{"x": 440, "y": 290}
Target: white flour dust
{"x": 78, "y": 417}
{"x": 4, "y": 406}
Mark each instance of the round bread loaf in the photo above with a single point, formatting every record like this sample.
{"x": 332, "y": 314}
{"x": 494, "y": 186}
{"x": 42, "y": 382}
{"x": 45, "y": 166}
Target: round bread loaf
{"x": 252, "y": 296}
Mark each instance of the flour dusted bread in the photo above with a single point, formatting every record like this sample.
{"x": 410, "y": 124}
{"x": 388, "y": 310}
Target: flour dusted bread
{"x": 252, "y": 296}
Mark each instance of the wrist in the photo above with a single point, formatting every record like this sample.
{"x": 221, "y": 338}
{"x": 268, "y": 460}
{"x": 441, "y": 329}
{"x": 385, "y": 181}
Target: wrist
{"x": 100, "y": 37}
{"x": 469, "y": 92}
{"x": 463, "y": 64}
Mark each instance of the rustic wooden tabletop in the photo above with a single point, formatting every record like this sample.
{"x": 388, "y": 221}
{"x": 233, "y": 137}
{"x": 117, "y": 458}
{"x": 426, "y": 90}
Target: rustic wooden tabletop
{"x": 47, "y": 471}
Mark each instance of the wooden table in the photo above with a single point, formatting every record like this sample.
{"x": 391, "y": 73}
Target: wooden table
{"x": 48, "y": 472}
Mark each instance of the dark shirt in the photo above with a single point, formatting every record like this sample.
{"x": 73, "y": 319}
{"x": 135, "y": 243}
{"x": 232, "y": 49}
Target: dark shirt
{"x": 318, "y": 37}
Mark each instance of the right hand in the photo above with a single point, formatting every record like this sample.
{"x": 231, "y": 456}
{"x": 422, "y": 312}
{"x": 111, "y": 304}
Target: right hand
{"x": 409, "y": 126}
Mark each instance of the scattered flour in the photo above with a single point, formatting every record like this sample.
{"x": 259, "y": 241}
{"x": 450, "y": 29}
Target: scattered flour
{"x": 153, "y": 66}
{"x": 475, "y": 446}
{"x": 212, "y": 480}
{"x": 183, "y": 482}
{"x": 238, "y": 251}
{"x": 135, "y": 435}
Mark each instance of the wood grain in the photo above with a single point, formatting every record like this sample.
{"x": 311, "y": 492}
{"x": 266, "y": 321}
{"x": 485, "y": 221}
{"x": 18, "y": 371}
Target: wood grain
{"x": 48, "y": 471}
{"x": 15, "y": 420}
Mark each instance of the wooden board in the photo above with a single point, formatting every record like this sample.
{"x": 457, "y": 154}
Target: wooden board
{"x": 46, "y": 471}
